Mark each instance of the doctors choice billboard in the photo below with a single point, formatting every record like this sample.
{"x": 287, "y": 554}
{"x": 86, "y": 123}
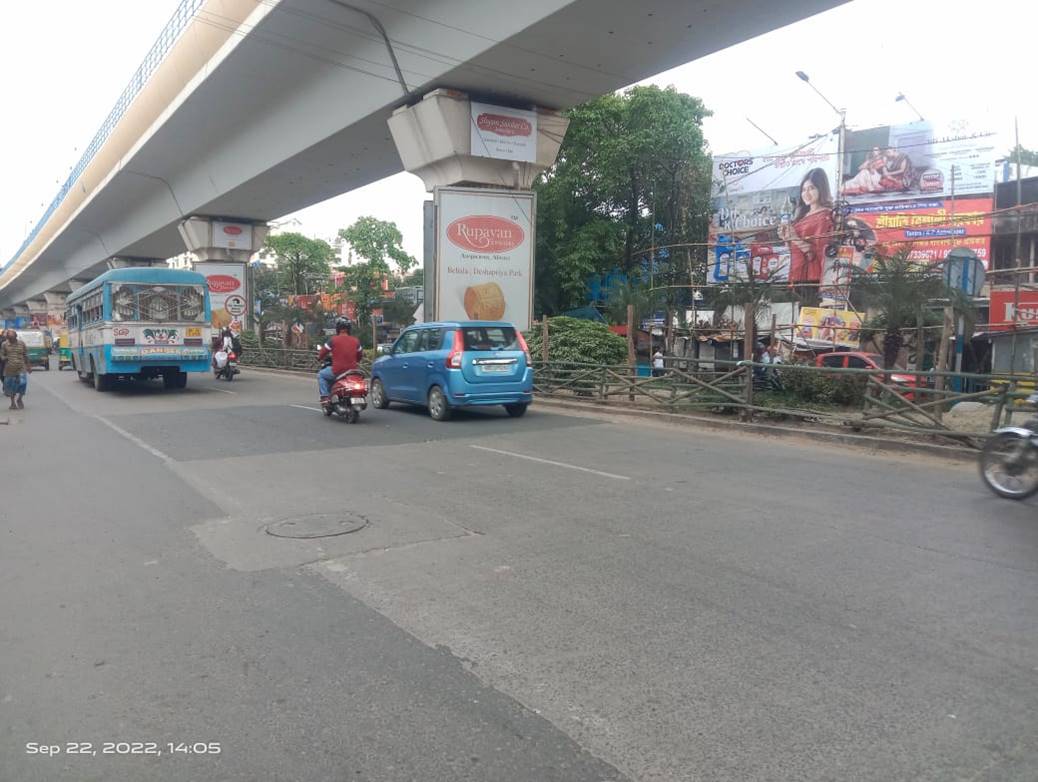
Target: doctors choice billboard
{"x": 759, "y": 215}
{"x": 484, "y": 255}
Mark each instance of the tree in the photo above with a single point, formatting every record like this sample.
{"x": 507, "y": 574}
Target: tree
{"x": 1028, "y": 157}
{"x": 571, "y": 340}
{"x": 301, "y": 261}
{"x": 898, "y": 292}
{"x": 632, "y": 168}
{"x": 398, "y": 312}
{"x": 414, "y": 278}
{"x": 378, "y": 242}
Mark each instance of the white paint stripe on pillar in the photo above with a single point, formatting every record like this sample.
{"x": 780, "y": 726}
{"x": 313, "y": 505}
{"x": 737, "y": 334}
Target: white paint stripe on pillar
{"x": 134, "y": 439}
{"x": 552, "y": 462}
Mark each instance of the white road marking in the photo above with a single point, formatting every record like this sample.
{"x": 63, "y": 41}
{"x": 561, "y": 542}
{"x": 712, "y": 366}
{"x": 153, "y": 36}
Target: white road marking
{"x": 134, "y": 439}
{"x": 223, "y": 390}
{"x": 304, "y": 407}
{"x": 553, "y": 463}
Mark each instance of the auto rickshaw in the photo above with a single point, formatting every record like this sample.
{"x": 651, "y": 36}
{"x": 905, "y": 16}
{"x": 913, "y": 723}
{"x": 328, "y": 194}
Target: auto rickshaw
{"x": 38, "y": 345}
{"x": 64, "y": 352}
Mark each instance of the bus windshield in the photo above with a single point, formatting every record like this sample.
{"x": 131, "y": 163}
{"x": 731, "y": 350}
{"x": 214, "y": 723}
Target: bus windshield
{"x": 158, "y": 303}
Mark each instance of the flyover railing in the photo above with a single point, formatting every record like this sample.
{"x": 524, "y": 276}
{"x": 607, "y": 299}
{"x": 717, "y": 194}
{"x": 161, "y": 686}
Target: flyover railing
{"x": 170, "y": 33}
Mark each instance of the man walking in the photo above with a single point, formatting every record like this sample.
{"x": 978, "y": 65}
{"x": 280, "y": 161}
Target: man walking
{"x": 658, "y": 365}
{"x": 15, "y": 357}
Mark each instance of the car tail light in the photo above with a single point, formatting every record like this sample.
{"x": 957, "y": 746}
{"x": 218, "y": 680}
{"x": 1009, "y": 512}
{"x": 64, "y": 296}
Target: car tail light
{"x": 457, "y": 348}
{"x": 523, "y": 347}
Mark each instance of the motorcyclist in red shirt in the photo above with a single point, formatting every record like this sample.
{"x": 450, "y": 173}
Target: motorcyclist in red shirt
{"x": 345, "y": 352}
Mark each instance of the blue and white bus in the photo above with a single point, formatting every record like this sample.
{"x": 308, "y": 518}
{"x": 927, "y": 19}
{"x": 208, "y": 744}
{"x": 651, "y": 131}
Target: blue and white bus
{"x": 140, "y": 323}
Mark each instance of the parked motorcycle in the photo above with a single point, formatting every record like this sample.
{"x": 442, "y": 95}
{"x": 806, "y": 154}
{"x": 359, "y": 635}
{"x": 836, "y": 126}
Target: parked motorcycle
{"x": 1009, "y": 460}
{"x": 349, "y": 396}
{"x": 225, "y": 365}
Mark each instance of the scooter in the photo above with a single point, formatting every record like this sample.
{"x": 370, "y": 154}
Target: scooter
{"x": 1009, "y": 461}
{"x": 349, "y": 396}
{"x": 229, "y": 368}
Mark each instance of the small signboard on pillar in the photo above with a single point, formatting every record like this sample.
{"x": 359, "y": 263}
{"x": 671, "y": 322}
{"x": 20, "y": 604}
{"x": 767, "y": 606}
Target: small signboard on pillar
{"x": 232, "y": 236}
{"x": 503, "y": 133}
{"x": 226, "y": 293}
{"x": 484, "y": 266}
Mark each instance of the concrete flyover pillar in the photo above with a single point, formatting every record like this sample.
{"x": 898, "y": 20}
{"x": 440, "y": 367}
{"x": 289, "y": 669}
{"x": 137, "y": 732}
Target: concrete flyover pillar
{"x": 479, "y": 160}
{"x": 55, "y": 310}
{"x": 37, "y": 313}
{"x": 129, "y": 262}
{"x": 222, "y": 247}
{"x": 70, "y": 286}
{"x": 448, "y": 139}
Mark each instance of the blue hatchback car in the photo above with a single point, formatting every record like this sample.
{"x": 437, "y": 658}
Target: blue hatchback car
{"x": 444, "y": 366}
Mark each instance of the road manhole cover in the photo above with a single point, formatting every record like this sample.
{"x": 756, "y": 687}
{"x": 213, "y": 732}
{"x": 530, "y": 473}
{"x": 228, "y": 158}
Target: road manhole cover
{"x": 318, "y": 525}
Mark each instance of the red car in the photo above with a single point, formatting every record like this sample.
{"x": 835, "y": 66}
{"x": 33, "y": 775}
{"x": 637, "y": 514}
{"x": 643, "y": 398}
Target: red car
{"x": 850, "y": 359}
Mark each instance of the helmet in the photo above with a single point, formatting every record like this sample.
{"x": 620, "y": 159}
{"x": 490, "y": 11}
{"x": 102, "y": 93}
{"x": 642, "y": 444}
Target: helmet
{"x": 343, "y": 324}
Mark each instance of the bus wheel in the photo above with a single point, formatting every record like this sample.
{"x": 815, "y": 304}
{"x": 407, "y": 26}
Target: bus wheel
{"x": 101, "y": 382}
{"x": 174, "y": 380}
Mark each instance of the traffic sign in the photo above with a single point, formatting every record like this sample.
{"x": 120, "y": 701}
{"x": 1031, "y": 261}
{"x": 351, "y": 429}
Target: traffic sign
{"x": 235, "y": 305}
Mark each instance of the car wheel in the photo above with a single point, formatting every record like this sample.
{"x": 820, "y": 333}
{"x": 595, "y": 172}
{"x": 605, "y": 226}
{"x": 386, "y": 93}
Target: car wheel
{"x": 379, "y": 400}
{"x": 439, "y": 410}
{"x": 517, "y": 410}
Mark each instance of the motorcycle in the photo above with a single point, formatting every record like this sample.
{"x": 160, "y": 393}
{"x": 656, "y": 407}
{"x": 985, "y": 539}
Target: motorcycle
{"x": 349, "y": 396}
{"x": 226, "y": 368}
{"x": 1009, "y": 459}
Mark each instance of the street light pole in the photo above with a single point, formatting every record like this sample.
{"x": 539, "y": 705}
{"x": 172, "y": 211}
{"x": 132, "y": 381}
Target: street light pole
{"x": 902, "y": 99}
{"x": 807, "y": 80}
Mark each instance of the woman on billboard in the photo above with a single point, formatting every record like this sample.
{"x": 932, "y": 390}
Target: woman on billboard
{"x": 811, "y": 229}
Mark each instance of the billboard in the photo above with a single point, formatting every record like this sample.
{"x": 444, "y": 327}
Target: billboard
{"x": 226, "y": 293}
{"x": 732, "y": 261}
{"x": 831, "y": 326}
{"x": 484, "y": 255}
{"x": 1006, "y": 310}
{"x": 503, "y": 133}
{"x": 778, "y": 201}
{"x": 916, "y": 160}
{"x": 927, "y": 228}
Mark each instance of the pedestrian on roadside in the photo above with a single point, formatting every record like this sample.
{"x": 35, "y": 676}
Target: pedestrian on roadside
{"x": 15, "y": 357}
{"x": 657, "y": 363}
{"x": 772, "y": 358}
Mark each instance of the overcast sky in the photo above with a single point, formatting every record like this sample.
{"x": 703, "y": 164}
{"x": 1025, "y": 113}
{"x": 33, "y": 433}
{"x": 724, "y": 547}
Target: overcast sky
{"x": 64, "y": 63}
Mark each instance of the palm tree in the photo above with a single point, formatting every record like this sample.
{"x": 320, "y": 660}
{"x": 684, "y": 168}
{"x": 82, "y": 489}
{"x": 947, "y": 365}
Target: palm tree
{"x": 899, "y": 292}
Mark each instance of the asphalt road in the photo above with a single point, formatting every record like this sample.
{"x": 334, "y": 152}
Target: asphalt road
{"x": 560, "y": 597}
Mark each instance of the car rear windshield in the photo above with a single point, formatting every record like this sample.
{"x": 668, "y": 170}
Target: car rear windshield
{"x": 490, "y": 338}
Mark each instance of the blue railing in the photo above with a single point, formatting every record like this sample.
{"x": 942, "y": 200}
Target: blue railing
{"x": 169, "y": 35}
